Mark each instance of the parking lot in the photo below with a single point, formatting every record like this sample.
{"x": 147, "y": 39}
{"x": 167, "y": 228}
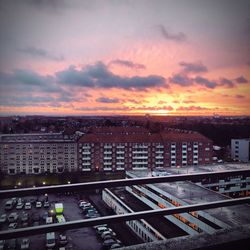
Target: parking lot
{"x": 83, "y": 238}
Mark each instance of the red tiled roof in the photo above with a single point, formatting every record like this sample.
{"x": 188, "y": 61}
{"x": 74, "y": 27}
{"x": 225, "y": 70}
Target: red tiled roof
{"x": 119, "y": 130}
{"x": 140, "y": 135}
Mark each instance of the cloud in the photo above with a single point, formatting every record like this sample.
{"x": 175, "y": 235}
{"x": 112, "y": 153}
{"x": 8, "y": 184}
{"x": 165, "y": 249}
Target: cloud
{"x": 107, "y": 100}
{"x": 188, "y": 101}
{"x": 181, "y": 80}
{"x": 205, "y": 82}
{"x": 99, "y": 76}
{"x": 177, "y": 37}
{"x": 240, "y": 96}
{"x": 241, "y": 79}
{"x": 153, "y": 108}
{"x": 128, "y": 64}
{"x": 191, "y": 108}
{"x": 102, "y": 108}
{"x": 226, "y": 82}
{"x": 40, "y": 53}
{"x": 196, "y": 67}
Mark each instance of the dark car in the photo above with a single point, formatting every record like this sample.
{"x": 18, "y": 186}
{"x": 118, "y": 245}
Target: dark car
{"x": 12, "y": 244}
{"x": 108, "y": 243}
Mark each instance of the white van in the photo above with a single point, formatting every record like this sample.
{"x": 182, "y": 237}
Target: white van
{"x": 50, "y": 240}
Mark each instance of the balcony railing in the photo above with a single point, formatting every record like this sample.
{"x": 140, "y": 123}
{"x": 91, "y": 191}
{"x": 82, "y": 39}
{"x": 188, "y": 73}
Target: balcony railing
{"x": 21, "y": 232}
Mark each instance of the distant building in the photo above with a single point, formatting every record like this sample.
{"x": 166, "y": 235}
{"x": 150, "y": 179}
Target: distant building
{"x": 112, "y": 149}
{"x": 37, "y": 153}
{"x": 240, "y": 149}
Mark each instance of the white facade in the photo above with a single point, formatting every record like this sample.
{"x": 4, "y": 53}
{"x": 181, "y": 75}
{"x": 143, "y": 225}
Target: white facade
{"x": 240, "y": 149}
{"x": 37, "y": 153}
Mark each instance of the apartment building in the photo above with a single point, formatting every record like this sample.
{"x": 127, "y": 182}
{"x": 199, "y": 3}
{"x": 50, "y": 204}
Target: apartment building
{"x": 37, "y": 153}
{"x": 120, "y": 149}
{"x": 240, "y": 149}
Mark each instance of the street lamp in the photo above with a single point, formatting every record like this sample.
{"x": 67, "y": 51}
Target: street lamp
{"x": 19, "y": 183}
{"x": 44, "y": 183}
{"x": 69, "y": 182}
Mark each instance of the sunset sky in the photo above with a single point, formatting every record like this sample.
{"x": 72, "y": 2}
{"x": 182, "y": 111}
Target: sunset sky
{"x": 111, "y": 57}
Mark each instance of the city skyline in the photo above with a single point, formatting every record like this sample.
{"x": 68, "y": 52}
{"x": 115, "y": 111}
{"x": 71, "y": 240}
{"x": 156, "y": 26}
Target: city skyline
{"x": 124, "y": 57}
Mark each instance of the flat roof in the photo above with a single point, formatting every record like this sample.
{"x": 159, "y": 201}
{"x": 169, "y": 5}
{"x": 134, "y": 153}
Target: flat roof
{"x": 191, "y": 193}
{"x": 162, "y": 225}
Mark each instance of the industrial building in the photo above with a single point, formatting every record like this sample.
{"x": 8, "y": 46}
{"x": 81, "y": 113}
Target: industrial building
{"x": 181, "y": 193}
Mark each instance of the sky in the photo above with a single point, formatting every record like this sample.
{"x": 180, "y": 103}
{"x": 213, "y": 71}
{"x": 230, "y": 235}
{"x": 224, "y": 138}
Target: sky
{"x": 124, "y": 57}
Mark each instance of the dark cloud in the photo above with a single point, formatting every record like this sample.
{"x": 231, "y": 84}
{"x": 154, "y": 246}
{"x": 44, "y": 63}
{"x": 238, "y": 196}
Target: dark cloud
{"x": 178, "y": 37}
{"x": 128, "y": 64}
{"x": 102, "y": 108}
{"x": 241, "y": 79}
{"x": 191, "y": 108}
{"x": 98, "y": 75}
{"x": 40, "y": 53}
{"x": 240, "y": 96}
{"x": 181, "y": 80}
{"x": 107, "y": 100}
{"x": 188, "y": 101}
{"x": 196, "y": 67}
{"x": 153, "y": 108}
{"x": 205, "y": 82}
{"x": 226, "y": 82}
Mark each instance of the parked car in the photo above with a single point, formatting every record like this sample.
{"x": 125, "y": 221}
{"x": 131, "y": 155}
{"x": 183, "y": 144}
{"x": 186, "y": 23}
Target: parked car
{"x": 2, "y": 244}
{"x": 13, "y": 225}
{"x": 108, "y": 243}
{"x": 12, "y": 244}
{"x": 25, "y": 243}
{"x": 50, "y": 240}
{"x": 27, "y": 206}
{"x": 38, "y": 204}
{"x": 46, "y": 204}
{"x": 108, "y": 232}
{"x": 9, "y": 205}
{"x": 24, "y": 217}
{"x": 13, "y": 217}
{"x": 19, "y": 205}
{"x": 101, "y": 230}
{"x": 63, "y": 240}
{"x": 116, "y": 245}
{"x": 3, "y": 218}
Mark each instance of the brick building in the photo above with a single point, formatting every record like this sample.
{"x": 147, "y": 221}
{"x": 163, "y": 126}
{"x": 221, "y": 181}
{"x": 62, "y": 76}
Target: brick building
{"x": 112, "y": 149}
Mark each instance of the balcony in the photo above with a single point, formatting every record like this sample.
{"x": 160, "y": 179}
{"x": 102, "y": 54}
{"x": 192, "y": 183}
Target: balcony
{"x": 86, "y": 163}
{"x": 140, "y": 157}
{"x": 120, "y": 163}
{"x": 107, "y": 146}
{"x": 139, "y": 162}
{"x": 86, "y": 158}
{"x": 86, "y": 152}
{"x": 107, "y": 158}
{"x": 140, "y": 152}
{"x": 107, "y": 152}
{"x": 159, "y": 162}
{"x": 107, "y": 163}
{"x": 107, "y": 168}
{"x": 159, "y": 157}
{"x": 120, "y": 152}
{"x": 159, "y": 152}
{"x": 119, "y": 157}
